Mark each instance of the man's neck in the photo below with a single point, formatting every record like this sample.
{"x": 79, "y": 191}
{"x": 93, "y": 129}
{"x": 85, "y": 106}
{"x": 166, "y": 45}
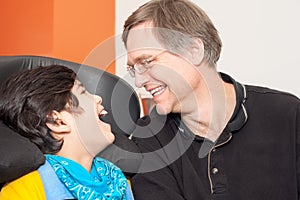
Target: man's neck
{"x": 216, "y": 101}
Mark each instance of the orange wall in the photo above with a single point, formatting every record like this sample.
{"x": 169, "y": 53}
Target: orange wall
{"x": 80, "y": 26}
{"x": 26, "y": 27}
{"x": 66, "y": 29}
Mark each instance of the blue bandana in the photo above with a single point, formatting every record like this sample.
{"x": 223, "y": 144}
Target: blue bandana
{"x": 105, "y": 181}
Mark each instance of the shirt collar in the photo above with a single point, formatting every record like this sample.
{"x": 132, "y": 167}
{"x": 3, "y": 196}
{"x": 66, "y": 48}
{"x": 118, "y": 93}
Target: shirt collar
{"x": 239, "y": 116}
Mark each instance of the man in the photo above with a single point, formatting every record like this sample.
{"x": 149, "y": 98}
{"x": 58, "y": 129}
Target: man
{"x": 208, "y": 136}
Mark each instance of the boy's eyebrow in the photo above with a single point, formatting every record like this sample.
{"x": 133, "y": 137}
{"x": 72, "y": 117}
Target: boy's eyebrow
{"x": 80, "y": 85}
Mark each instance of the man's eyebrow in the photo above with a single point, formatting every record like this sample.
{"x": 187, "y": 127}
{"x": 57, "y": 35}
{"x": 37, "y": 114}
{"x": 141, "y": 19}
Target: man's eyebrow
{"x": 139, "y": 58}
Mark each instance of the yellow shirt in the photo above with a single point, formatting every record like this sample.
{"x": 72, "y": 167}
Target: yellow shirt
{"x": 28, "y": 187}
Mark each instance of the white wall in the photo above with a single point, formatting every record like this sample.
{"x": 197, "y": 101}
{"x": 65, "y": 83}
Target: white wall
{"x": 260, "y": 39}
{"x": 123, "y": 10}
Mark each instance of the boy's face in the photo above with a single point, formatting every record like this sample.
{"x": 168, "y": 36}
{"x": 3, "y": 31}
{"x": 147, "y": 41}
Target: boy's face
{"x": 95, "y": 134}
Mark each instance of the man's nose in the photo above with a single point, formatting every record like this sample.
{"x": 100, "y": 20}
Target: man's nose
{"x": 141, "y": 79}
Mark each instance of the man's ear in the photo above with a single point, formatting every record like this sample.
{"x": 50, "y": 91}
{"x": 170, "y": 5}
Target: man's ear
{"x": 57, "y": 124}
{"x": 196, "y": 51}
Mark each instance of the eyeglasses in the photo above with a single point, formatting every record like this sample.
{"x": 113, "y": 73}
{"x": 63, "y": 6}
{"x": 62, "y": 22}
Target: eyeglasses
{"x": 142, "y": 66}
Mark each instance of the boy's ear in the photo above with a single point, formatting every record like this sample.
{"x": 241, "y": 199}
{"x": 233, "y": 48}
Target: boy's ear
{"x": 57, "y": 124}
{"x": 196, "y": 51}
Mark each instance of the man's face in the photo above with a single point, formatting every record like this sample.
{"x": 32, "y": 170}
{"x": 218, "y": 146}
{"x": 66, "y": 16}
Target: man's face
{"x": 170, "y": 78}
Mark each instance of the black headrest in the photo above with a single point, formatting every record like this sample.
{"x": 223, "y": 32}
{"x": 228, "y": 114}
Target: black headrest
{"x": 119, "y": 99}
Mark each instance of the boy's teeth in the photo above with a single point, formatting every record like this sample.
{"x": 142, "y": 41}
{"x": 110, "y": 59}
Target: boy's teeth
{"x": 103, "y": 112}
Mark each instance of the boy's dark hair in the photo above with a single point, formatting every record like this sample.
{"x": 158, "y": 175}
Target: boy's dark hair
{"x": 28, "y": 98}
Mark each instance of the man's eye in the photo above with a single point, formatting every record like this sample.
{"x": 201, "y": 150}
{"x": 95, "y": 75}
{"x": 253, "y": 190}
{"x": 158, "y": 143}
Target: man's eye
{"x": 147, "y": 62}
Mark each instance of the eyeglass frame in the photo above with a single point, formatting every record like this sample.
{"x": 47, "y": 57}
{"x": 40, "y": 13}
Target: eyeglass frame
{"x": 144, "y": 65}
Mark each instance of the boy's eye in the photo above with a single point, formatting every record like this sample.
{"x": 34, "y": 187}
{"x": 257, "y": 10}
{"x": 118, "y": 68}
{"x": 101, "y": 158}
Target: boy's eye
{"x": 83, "y": 91}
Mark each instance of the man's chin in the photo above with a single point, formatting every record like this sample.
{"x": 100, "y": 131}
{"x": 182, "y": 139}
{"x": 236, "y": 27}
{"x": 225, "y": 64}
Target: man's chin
{"x": 162, "y": 110}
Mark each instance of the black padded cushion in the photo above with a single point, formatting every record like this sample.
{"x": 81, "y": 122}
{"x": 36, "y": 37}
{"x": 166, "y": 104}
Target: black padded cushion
{"x": 19, "y": 156}
{"x": 119, "y": 98}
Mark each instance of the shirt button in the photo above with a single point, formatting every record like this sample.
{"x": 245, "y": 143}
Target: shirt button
{"x": 215, "y": 170}
{"x": 214, "y": 150}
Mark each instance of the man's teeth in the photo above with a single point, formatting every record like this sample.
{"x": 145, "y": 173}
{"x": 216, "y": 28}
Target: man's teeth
{"x": 157, "y": 91}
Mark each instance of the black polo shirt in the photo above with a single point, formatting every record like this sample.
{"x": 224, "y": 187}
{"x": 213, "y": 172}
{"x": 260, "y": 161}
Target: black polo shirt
{"x": 255, "y": 157}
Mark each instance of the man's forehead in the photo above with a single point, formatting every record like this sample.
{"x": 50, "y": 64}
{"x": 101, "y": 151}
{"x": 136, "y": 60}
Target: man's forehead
{"x": 141, "y": 37}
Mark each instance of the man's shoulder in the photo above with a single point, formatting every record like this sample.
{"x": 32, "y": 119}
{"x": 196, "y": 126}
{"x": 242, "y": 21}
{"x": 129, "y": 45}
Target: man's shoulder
{"x": 271, "y": 102}
{"x": 154, "y": 131}
{"x": 154, "y": 120}
{"x": 266, "y": 93}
